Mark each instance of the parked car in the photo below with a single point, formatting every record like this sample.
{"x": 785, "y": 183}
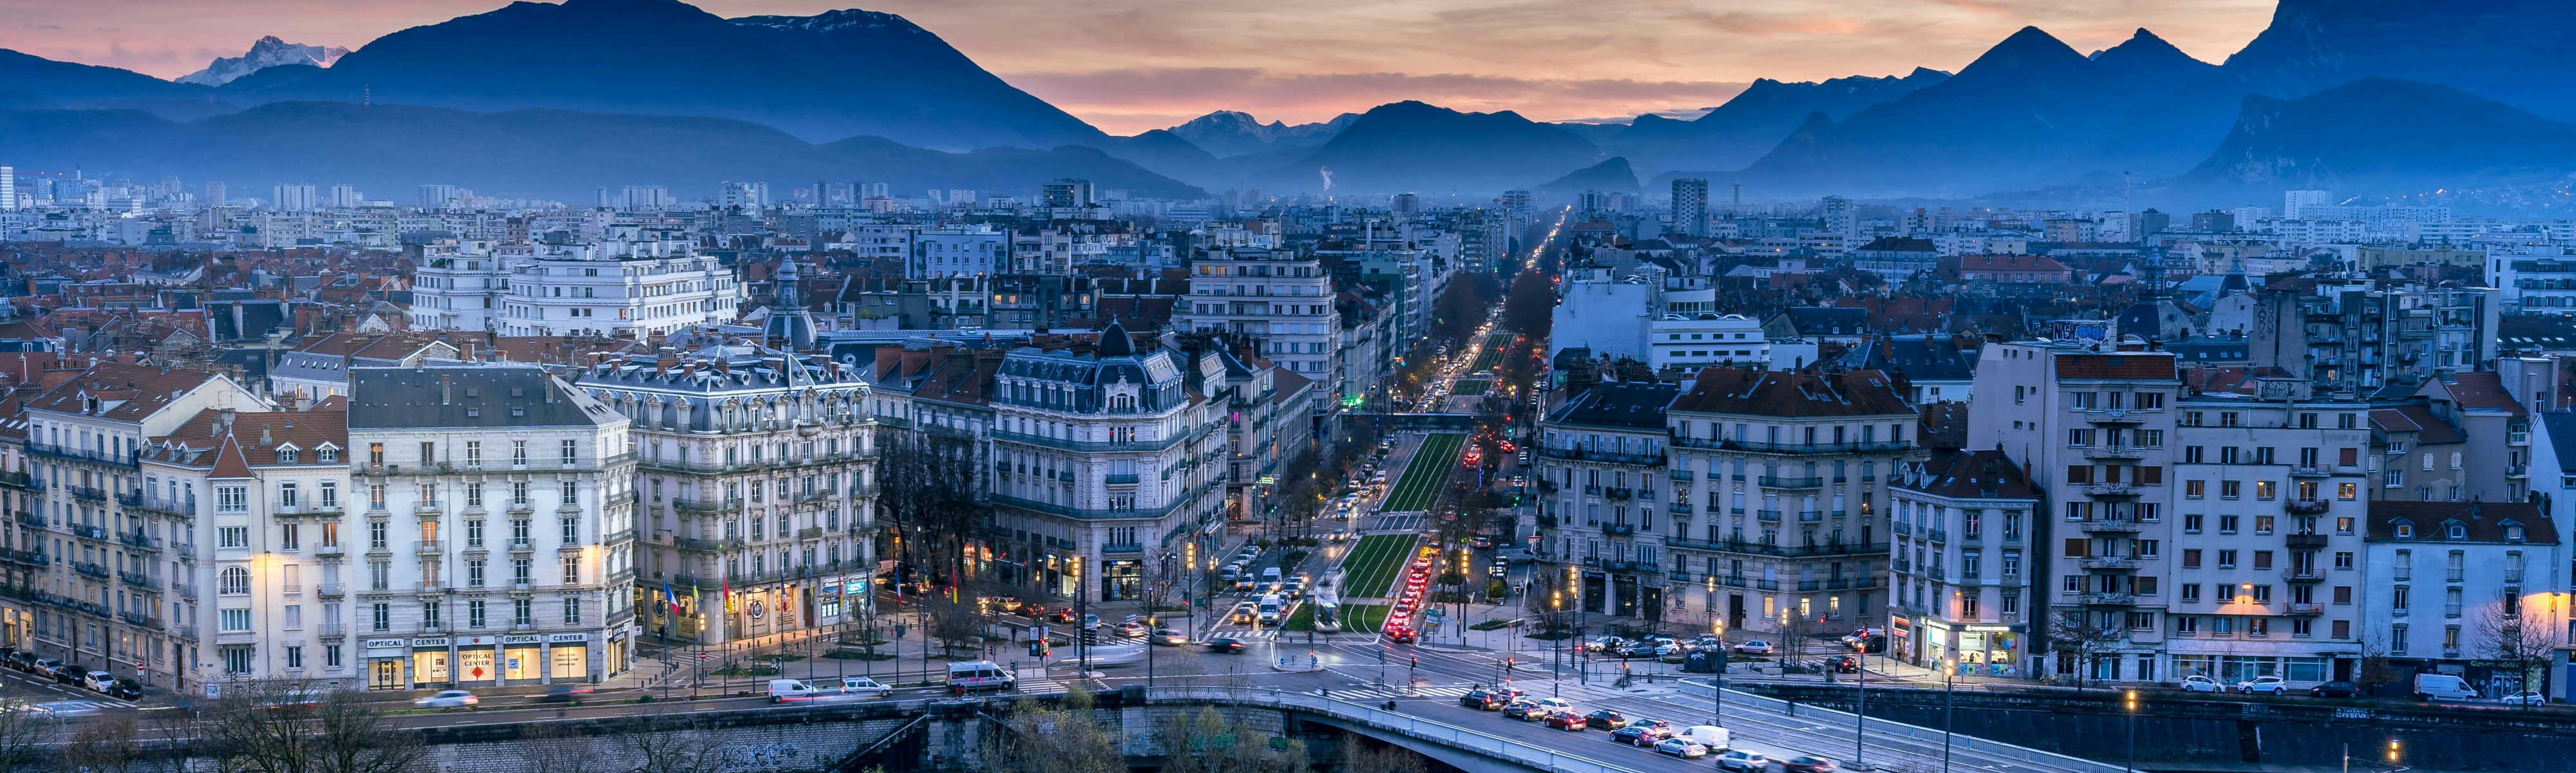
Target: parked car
{"x": 448, "y": 699}
{"x": 125, "y": 689}
{"x": 2268, "y": 685}
{"x": 1605, "y": 719}
{"x": 2524, "y": 698}
{"x": 68, "y": 674}
{"x": 1739, "y": 759}
{"x": 97, "y": 681}
{"x": 1755, "y": 647}
{"x": 1229, "y": 646}
{"x": 23, "y": 660}
{"x": 860, "y": 685}
{"x": 1567, "y": 720}
{"x": 1704, "y": 641}
{"x": 1605, "y": 644}
{"x": 1681, "y": 747}
{"x": 2335, "y": 689}
{"x": 2198, "y": 683}
{"x": 1806, "y": 764}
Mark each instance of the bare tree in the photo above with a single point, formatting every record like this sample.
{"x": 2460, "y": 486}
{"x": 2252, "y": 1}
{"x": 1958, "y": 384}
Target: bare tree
{"x": 2374, "y": 671}
{"x": 553, "y": 747}
{"x": 1207, "y": 742}
{"x": 2521, "y": 652}
{"x": 107, "y": 744}
{"x": 668, "y": 739}
{"x": 24, "y": 734}
{"x": 932, "y": 489}
{"x": 1365, "y": 755}
{"x": 2074, "y": 634}
{"x": 954, "y": 623}
{"x": 294, "y": 726}
{"x": 1063, "y": 738}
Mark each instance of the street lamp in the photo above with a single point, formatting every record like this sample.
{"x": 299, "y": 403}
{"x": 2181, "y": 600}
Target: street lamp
{"x": 1947, "y": 709}
{"x": 1717, "y": 697}
{"x": 2129, "y": 700}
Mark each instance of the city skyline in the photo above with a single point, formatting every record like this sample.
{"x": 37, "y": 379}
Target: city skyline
{"x": 1139, "y": 65}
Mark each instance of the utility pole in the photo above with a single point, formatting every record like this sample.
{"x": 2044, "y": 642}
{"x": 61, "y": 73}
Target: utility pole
{"x": 1948, "y": 708}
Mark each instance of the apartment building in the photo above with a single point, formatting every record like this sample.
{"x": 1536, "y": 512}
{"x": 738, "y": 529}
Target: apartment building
{"x": 1761, "y": 448}
{"x": 2455, "y": 586}
{"x": 758, "y": 488}
{"x": 634, "y": 281}
{"x": 515, "y": 493}
{"x": 1282, "y": 299}
{"x": 2094, "y": 422}
{"x": 1602, "y": 457}
{"x": 1103, "y": 463}
{"x": 459, "y": 285}
{"x": 88, "y": 546}
{"x": 1963, "y": 556}
{"x": 253, "y": 582}
{"x": 2258, "y": 570}
{"x": 2359, "y": 336}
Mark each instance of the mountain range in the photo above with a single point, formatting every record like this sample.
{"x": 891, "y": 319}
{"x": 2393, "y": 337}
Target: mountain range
{"x": 264, "y": 53}
{"x": 2389, "y": 135}
{"x": 2030, "y": 112}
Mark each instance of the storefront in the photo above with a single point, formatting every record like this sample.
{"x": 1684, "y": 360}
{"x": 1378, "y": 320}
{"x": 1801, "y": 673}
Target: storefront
{"x": 1122, "y": 579}
{"x": 431, "y": 661}
{"x": 568, "y": 657}
{"x": 1990, "y": 650}
{"x": 478, "y": 661}
{"x": 1901, "y": 642}
{"x": 385, "y": 664}
{"x": 522, "y": 658}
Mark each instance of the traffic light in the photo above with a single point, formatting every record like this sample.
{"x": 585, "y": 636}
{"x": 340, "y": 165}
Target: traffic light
{"x": 2392, "y": 751}
{"x": 1417, "y": 663}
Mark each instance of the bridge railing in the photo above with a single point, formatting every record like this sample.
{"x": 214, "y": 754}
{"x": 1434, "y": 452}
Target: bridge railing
{"x": 1963, "y": 743}
{"x": 1536, "y": 757}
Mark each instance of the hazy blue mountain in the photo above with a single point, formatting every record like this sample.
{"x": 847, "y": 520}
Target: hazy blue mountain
{"x": 1412, "y": 146}
{"x": 264, "y": 53}
{"x": 1231, "y": 133}
{"x": 2382, "y": 136}
{"x": 2011, "y": 117}
{"x": 2146, "y": 63}
{"x": 1596, "y": 133}
{"x": 1612, "y": 176}
{"x": 826, "y": 76}
{"x": 554, "y": 153}
{"x": 75, "y": 84}
{"x": 2514, "y": 51}
{"x": 1751, "y": 124}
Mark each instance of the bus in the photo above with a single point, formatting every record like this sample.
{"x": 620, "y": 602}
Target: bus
{"x": 1328, "y": 612}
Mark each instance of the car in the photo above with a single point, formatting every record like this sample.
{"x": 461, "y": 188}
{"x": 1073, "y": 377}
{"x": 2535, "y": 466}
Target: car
{"x": 2199, "y": 683}
{"x": 564, "y": 693}
{"x": 448, "y": 699}
{"x": 97, "y": 681}
{"x": 1168, "y": 637}
{"x": 1481, "y": 543}
{"x": 1130, "y": 629}
{"x": 1567, "y": 720}
{"x": 2335, "y": 689}
{"x": 2269, "y": 685}
{"x": 1499, "y": 569}
{"x": 860, "y": 685}
{"x": 66, "y": 673}
{"x": 1546, "y": 706}
{"x": 2524, "y": 698}
{"x": 1032, "y": 611}
{"x": 1605, "y": 719}
{"x": 22, "y": 660}
{"x": 127, "y": 689}
{"x": 1520, "y": 710}
{"x": 1230, "y": 646}
{"x": 1681, "y": 747}
{"x": 1755, "y": 647}
{"x": 1245, "y": 613}
{"x": 1482, "y": 700}
{"x": 1061, "y": 614}
{"x": 1643, "y": 732}
{"x": 1704, "y": 641}
{"x": 1806, "y": 764}
{"x": 1605, "y": 644}
{"x": 1739, "y": 759}
{"x": 1843, "y": 664}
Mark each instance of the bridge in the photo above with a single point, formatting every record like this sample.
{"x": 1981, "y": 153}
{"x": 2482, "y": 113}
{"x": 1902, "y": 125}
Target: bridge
{"x": 1427, "y": 422}
{"x": 750, "y": 735}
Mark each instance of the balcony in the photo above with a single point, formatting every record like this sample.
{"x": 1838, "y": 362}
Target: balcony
{"x": 21, "y": 481}
{"x": 35, "y": 558}
{"x": 333, "y": 549}
{"x": 31, "y": 519}
{"x": 335, "y": 630}
{"x": 1811, "y": 516}
{"x": 175, "y": 508}
{"x": 1902, "y": 529}
{"x": 2310, "y": 472}
{"x": 1939, "y": 535}
{"x": 1773, "y": 481}
{"x": 1682, "y": 509}
{"x": 2304, "y": 541}
{"x": 685, "y": 543}
{"x": 140, "y": 620}
{"x": 330, "y": 590}
{"x": 86, "y": 531}
{"x": 2114, "y": 416}
{"x": 1749, "y": 446}
{"x": 2304, "y": 506}
{"x": 1618, "y": 492}
{"x": 87, "y": 569}
{"x": 810, "y": 532}
{"x": 139, "y": 540}
{"x": 1120, "y": 480}
{"x": 2110, "y": 489}
{"x": 1608, "y": 457}
{"x": 1132, "y": 446}
{"x": 2115, "y": 452}
{"x": 2517, "y": 471}
{"x": 1618, "y": 529}
{"x": 426, "y": 509}
{"x": 74, "y": 454}
{"x": 1681, "y": 475}
{"x": 2109, "y": 525}
{"x": 139, "y": 580}
{"x": 2307, "y": 575}
{"x": 1769, "y": 515}
{"x": 2107, "y": 599}
{"x": 1126, "y": 548}
{"x": 429, "y": 546}
{"x": 2108, "y": 562}
{"x": 2305, "y": 610}
{"x": 524, "y": 546}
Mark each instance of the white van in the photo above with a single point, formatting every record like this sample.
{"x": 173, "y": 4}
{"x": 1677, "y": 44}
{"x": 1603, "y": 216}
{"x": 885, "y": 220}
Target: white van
{"x": 1270, "y": 580}
{"x": 2443, "y": 687}
{"x": 1270, "y": 606}
{"x": 977, "y": 675}
{"x": 784, "y": 690}
{"x": 1711, "y": 736}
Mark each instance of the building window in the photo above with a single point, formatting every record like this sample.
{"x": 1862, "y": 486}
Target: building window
{"x": 572, "y": 610}
{"x": 232, "y": 537}
{"x": 382, "y": 616}
{"x": 234, "y": 619}
{"x": 571, "y": 452}
{"x": 232, "y": 499}
{"x": 519, "y": 453}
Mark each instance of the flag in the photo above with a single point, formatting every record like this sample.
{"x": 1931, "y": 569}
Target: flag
{"x": 728, "y": 595}
{"x": 670, "y": 599}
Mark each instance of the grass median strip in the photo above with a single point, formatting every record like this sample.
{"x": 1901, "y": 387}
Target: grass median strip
{"x": 1420, "y": 485}
{"x": 1374, "y": 565}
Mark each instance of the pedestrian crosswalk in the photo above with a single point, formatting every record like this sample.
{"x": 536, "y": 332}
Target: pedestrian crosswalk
{"x": 76, "y": 707}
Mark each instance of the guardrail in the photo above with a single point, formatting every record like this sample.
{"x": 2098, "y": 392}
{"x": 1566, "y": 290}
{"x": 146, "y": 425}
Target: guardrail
{"x": 1453, "y": 736}
{"x": 1960, "y": 743}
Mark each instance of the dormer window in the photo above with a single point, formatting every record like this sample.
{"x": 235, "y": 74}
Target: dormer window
{"x": 327, "y": 455}
{"x": 2512, "y": 531}
{"x": 2404, "y": 530}
{"x": 2455, "y": 530}
{"x": 288, "y": 455}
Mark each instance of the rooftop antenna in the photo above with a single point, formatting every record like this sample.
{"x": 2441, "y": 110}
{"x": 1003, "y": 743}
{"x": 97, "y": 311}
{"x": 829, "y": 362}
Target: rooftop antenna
{"x": 367, "y": 95}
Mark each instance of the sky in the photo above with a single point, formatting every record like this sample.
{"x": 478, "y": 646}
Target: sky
{"x": 1132, "y": 65}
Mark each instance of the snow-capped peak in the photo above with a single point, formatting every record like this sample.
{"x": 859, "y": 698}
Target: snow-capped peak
{"x": 268, "y": 52}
